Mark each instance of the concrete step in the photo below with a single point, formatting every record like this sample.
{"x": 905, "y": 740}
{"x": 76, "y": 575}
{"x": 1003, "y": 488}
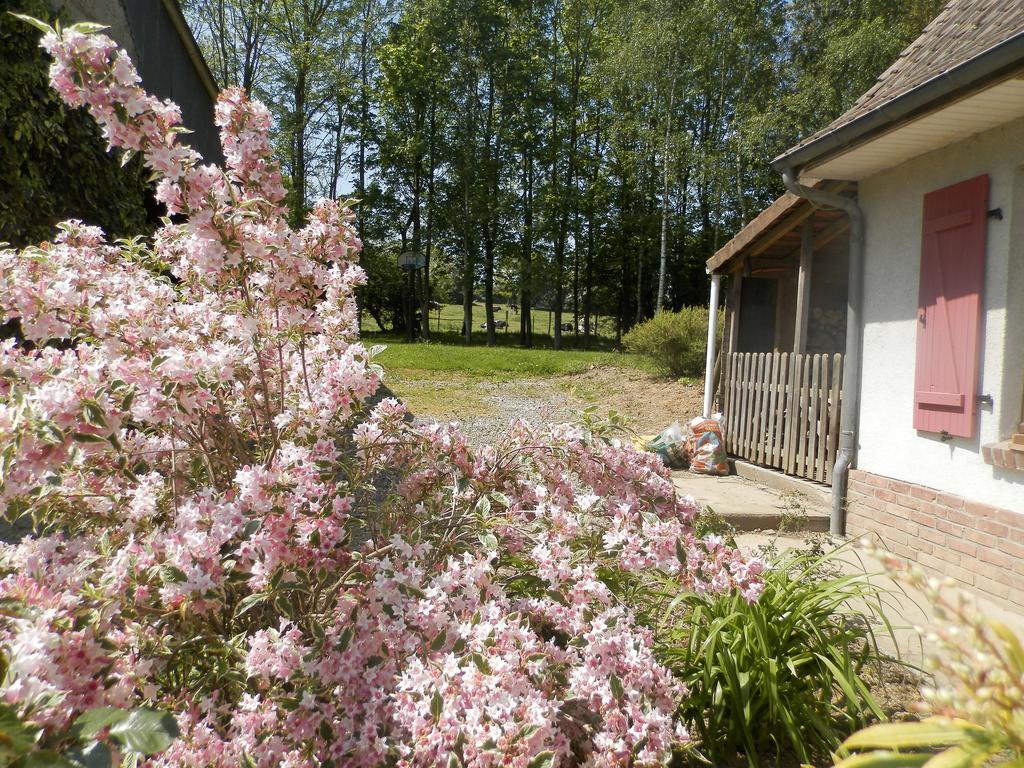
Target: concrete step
{"x": 749, "y": 504}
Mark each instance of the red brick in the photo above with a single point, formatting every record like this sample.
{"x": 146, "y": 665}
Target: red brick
{"x": 963, "y": 575}
{"x": 958, "y": 517}
{"x": 1011, "y": 548}
{"x": 919, "y": 492}
{"x": 899, "y": 487}
{"x": 949, "y": 500}
{"x": 909, "y": 502}
{"x": 988, "y": 571}
{"x": 907, "y": 553}
{"x": 978, "y": 509}
{"x": 1012, "y": 519}
{"x": 885, "y": 494}
{"x": 907, "y": 527}
{"x": 932, "y": 563}
{"x": 985, "y": 539}
{"x": 963, "y": 547}
{"x": 923, "y": 518}
{"x": 947, "y": 527}
{"x": 996, "y": 529}
{"x": 995, "y": 557}
{"x": 993, "y": 588}
{"x": 876, "y": 480}
{"x": 934, "y": 536}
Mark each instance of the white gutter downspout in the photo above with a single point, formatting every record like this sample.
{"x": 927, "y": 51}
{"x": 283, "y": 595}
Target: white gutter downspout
{"x": 709, "y": 361}
{"x": 852, "y": 358}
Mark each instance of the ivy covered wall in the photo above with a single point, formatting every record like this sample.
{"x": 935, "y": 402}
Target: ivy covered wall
{"x": 53, "y": 160}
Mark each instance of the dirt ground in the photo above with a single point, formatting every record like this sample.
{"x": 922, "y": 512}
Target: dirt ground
{"x": 649, "y": 402}
{"x": 484, "y": 408}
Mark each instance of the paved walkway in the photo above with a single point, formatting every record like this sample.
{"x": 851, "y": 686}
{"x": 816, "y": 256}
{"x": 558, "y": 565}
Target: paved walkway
{"x": 752, "y": 506}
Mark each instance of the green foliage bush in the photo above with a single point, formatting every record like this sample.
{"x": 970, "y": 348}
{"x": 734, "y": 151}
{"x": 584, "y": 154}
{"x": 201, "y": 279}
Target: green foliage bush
{"x": 53, "y": 160}
{"x": 676, "y": 342}
{"x": 783, "y": 674}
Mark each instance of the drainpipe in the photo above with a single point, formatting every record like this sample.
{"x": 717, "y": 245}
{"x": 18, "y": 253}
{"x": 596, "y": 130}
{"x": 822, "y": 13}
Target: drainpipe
{"x": 709, "y": 361}
{"x": 851, "y": 363}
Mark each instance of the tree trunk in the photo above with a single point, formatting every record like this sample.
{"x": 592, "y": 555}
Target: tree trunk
{"x": 432, "y": 167}
{"x": 299, "y": 147}
{"x": 665, "y": 157}
{"x": 526, "y": 257}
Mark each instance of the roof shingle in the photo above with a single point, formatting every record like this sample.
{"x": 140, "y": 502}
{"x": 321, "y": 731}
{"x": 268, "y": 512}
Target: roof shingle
{"x": 964, "y": 30}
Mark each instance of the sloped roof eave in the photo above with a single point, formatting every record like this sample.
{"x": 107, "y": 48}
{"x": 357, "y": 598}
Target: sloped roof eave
{"x": 971, "y": 75}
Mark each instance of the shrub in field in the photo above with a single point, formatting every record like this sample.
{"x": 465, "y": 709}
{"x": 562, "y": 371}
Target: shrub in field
{"x": 782, "y": 674}
{"x": 676, "y": 342}
{"x": 227, "y": 532}
{"x": 977, "y": 709}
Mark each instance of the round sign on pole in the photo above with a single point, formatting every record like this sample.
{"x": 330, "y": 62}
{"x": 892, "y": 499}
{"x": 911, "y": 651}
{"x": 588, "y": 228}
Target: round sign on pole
{"x": 412, "y": 260}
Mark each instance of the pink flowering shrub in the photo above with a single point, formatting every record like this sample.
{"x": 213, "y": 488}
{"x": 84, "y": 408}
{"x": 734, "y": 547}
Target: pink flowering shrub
{"x": 228, "y": 530}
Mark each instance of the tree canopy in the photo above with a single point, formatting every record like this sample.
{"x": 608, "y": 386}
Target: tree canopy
{"x": 582, "y": 156}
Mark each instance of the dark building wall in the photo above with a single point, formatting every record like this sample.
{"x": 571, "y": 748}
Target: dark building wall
{"x": 166, "y": 56}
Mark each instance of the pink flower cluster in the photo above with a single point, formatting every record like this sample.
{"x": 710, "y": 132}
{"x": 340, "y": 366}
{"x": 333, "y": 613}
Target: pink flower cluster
{"x": 228, "y": 530}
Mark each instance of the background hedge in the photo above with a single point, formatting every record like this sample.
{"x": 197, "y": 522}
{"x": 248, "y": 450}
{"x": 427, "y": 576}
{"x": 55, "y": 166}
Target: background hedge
{"x": 53, "y": 160}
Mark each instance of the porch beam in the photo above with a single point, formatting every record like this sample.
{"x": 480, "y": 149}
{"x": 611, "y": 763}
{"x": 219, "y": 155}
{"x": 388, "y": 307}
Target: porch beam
{"x": 831, "y": 232}
{"x": 803, "y": 286}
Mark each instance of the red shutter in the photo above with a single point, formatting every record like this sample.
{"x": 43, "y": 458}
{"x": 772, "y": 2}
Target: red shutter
{"x": 949, "y": 307}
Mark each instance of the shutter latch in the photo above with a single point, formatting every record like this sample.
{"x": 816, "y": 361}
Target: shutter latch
{"x": 986, "y": 400}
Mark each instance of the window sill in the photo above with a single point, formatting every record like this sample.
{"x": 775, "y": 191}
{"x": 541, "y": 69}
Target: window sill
{"x": 1003, "y": 456}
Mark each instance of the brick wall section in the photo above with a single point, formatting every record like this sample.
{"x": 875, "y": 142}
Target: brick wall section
{"x": 978, "y": 545}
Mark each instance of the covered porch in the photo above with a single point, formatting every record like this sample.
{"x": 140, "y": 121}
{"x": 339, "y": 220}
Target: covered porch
{"x": 779, "y": 381}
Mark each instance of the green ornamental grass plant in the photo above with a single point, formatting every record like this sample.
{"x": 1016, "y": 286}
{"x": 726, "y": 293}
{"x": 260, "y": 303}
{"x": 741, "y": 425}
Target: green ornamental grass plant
{"x": 782, "y": 675}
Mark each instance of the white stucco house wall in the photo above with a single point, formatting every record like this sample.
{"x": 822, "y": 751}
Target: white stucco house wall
{"x": 927, "y": 172}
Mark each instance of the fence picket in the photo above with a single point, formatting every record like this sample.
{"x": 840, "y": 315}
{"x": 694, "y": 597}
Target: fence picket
{"x": 783, "y": 410}
{"x": 819, "y": 473}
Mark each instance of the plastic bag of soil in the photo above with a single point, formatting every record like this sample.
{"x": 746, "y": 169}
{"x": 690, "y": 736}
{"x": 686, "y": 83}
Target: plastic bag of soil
{"x": 672, "y": 445}
{"x": 708, "y": 455}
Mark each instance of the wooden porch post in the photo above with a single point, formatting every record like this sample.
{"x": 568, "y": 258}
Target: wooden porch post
{"x": 732, "y": 305}
{"x": 803, "y": 289}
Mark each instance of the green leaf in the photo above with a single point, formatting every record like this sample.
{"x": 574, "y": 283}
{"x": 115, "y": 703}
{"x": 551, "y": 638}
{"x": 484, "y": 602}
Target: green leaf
{"x": 45, "y": 758}
{"x": 483, "y": 507}
{"x": 542, "y": 760}
{"x": 436, "y": 705}
{"x": 42, "y": 26}
{"x": 87, "y": 27}
{"x": 146, "y": 730}
{"x": 933, "y": 732}
{"x": 16, "y": 738}
{"x": 489, "y": 541}
{"x": 439, "y": 640}
{"x": 96, "y": 754}
{"x": 92, "y": 721}
{"x": 249, "y": 602}
{"x": 883, "y": 759}
{"x": 616, "y": 685}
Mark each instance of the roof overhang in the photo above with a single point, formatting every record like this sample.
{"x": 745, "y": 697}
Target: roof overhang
{"x": 771, "y": 241}
{"x": 980, "y": 94}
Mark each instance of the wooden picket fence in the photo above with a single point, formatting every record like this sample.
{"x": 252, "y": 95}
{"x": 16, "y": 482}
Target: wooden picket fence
{"x": 781, "y": 410}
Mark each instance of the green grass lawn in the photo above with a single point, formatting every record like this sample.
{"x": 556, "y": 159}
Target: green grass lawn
{"x": 496, "y": 363}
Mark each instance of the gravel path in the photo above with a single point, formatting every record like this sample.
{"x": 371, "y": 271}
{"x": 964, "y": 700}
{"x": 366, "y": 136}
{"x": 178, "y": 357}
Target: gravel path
{"x": 537, "y": 401}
